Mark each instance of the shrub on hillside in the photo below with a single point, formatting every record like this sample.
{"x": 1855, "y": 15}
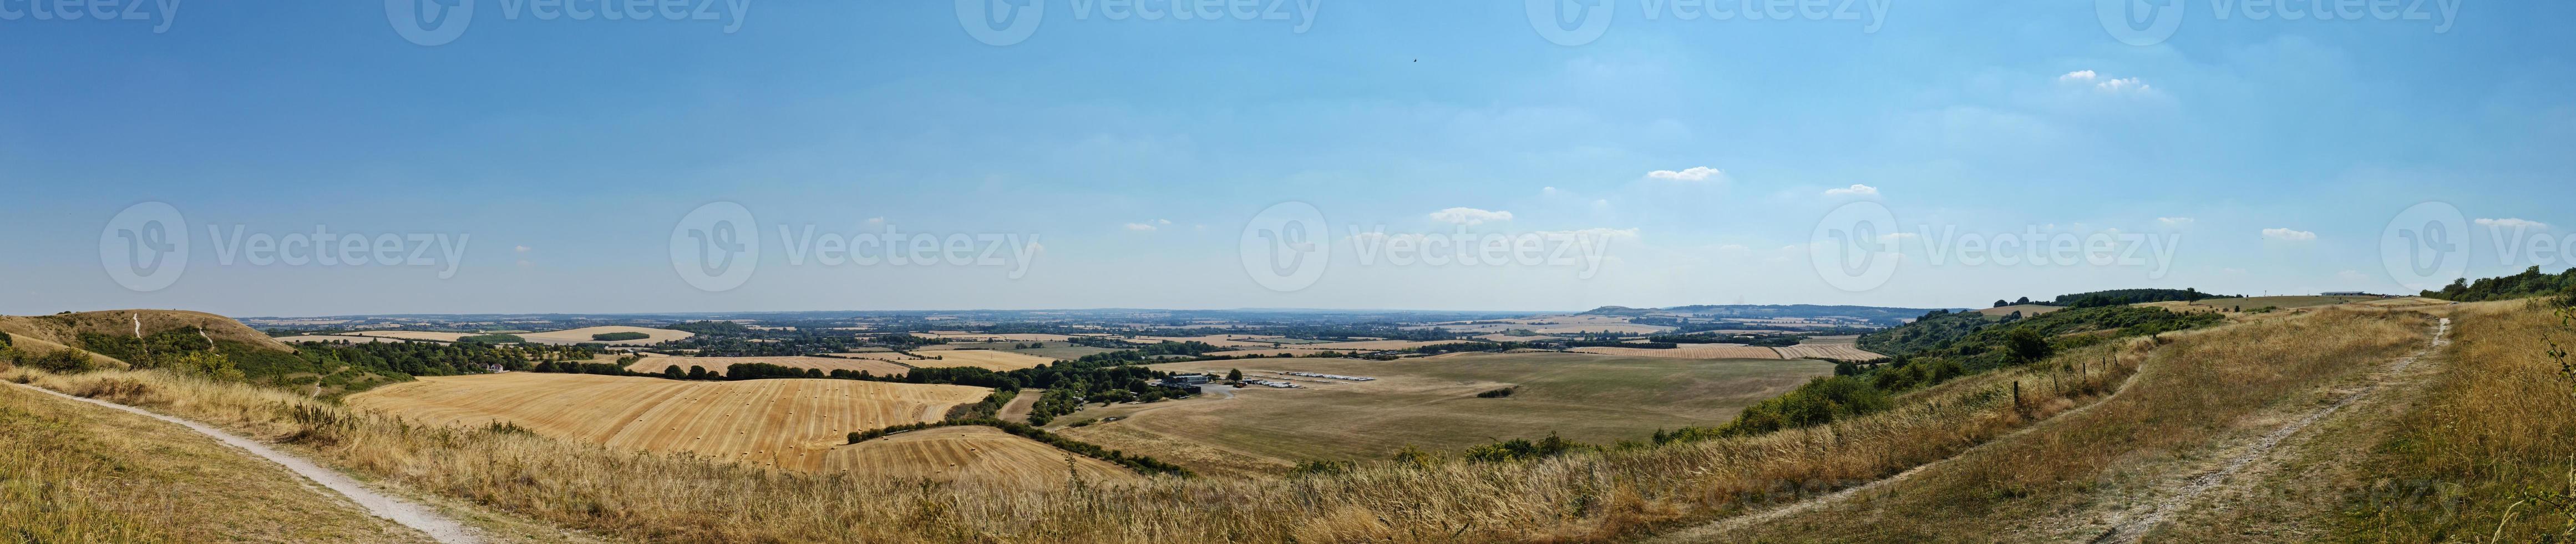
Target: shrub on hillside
{"x": 60, "y": 361}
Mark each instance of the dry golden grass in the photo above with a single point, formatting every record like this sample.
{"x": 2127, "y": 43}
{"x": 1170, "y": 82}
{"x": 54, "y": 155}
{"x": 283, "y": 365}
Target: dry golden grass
{"x": 72, "y": 472}
{"x": 1690, "y": 351}
{"x": 774, "y": 423}
{"x": 65, "y": 329}
{"x": 981, "y": 456}
{"x": 2492, "y": 457}
{"x": 981, "y": 358}
{"x": 826, "y": 364}
{"x": 2208, "y": 385}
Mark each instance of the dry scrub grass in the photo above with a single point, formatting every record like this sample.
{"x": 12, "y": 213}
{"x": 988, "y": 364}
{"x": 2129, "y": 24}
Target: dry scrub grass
{"x": 2206, "y": 385}
{"x": 72, "y": 472}
{"x": 2493, "y": 457}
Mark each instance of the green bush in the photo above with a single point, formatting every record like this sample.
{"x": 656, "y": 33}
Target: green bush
{"x": 62, "y": 361}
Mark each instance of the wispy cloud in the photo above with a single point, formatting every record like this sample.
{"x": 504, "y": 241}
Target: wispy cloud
{"x": 2175, "y": 221}
{"x": 1140, "y": 227}
{"x": 2512, "y": 223}
{"x": 2104, "y": 84}
{"x": 1469, "y": 216}
{"x": 1695, "y": 173}
{"x": 2288, "y": 235}
{"x": 1854, "y": 190}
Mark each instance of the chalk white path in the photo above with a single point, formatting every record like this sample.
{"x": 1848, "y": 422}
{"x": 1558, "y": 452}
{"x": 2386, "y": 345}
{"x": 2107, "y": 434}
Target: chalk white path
{"x": 408, "y": 513}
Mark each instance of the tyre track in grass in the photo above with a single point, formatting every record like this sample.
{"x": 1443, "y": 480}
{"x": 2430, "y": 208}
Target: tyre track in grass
{"x": 2137, "y": 527}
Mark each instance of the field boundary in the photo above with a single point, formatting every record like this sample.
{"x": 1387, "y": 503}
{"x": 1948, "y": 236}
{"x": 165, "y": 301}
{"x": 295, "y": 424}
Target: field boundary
{"x": 410, "y": 514}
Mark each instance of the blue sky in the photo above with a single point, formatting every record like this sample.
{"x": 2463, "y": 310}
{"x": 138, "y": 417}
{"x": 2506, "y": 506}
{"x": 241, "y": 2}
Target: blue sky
{"x": 1135, "y": 153}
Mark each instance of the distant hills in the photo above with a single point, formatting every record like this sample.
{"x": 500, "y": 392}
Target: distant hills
{"x": 1871, "y": 313}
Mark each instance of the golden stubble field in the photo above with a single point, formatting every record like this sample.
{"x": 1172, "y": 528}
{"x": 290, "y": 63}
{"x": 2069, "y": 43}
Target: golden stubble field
{"x": 791, "y": 424}
{"x": 981, "y": 455}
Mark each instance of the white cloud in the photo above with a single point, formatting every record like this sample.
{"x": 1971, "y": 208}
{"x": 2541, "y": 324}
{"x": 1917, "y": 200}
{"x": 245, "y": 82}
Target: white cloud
{"x": 874, "y": 221}
{"x": 2287, "y": 235}
{"x": 2512, "y": 223}
{"x": 1695, "y": 173}
{"x": 2128, "y": 84}
{"x": 1469, "y": 216}
{"x": 2104, "y": 84}
{"x": 1140, "y": 227}
{"x": 1549, "y": 191}
{"x": 521, "y": 249}
{"x": 2175, "y": 221}
{"x": 1854, "y": 190}
{"x": 1895, "y": 237}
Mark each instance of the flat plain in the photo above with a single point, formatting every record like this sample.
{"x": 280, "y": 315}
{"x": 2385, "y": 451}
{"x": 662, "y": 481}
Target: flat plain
{"x": 1431, "y": 402}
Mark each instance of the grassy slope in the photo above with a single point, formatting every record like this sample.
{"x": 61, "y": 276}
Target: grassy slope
{"x": 76, "y": 472}
{"x": 2057, "y": 482}
{"x": 2490, "y": 456}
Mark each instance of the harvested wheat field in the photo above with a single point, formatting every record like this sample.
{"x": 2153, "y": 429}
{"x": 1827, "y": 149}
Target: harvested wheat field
{"x": 1218, "y": 340}
{"x": 775, "y": 423}
{"x": 874, "y": 355}
{"x": 1690, "y": 351}
{"x": 718, "y": 364}
{"x": 1373, "y": 345}
{"x": 583, "y": 336}
{"x": 1845, "y": 352}
{"x": 982, "y": 455}
{"x": 353, "y": 339}
{"x": 982, "y": 358}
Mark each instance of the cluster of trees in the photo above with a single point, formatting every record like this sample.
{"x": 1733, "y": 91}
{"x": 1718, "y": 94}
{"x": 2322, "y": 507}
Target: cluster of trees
{"x": 619, "y": 336}
{"x": 2530, "y": 283}
{"x": 1138, "y": 463}
{"x": 58, "y": 360}
{"x": 2118, "y": 297}
{"x": 1941, "y": 347}
{"x": 492, "y": 339}
{"x": 428, "y": 358}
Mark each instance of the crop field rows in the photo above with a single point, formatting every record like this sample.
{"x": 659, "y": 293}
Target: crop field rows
{"x": 777, "y": 423}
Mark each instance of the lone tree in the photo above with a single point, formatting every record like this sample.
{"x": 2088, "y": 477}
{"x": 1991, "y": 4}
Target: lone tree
{"x": 1235, "y": 375}
{"x": 2028, "y": 347}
